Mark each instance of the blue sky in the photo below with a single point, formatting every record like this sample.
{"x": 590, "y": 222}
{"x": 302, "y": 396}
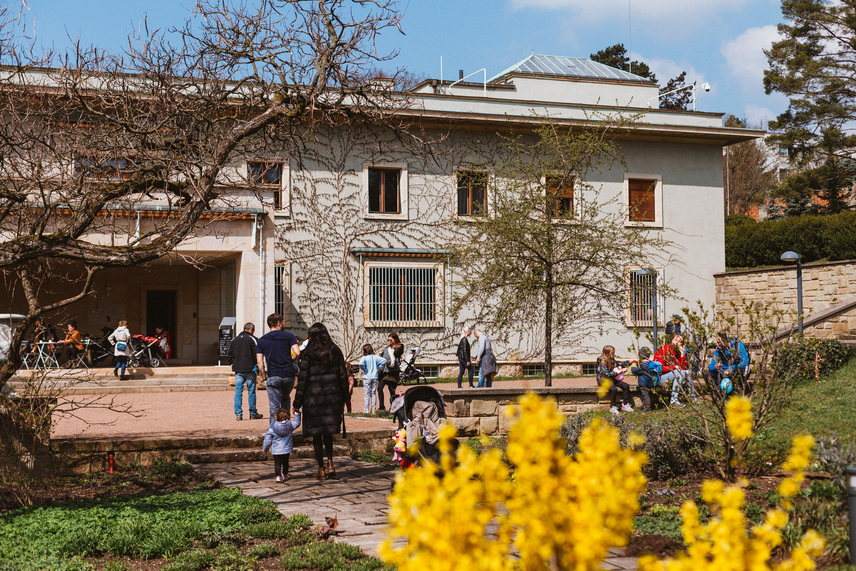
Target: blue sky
{"x": 717, "y": 41}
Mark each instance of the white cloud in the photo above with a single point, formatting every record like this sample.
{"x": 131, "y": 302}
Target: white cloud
{"x": 666, "y": 69}
{"x": 658, "y": 12}
{"x": 745, "y": 61}
{"x": 757, "y": 116}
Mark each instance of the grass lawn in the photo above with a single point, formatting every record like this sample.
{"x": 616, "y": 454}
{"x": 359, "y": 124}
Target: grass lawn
{"x": 819, "y": 408}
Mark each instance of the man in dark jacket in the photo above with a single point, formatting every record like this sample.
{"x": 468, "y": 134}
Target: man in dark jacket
{"x": 242, "y": 357}
{"x": 276, "y": 353}
{"x": 464, "y": 359}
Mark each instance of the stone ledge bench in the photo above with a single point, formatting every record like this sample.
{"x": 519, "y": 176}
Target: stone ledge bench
{"x": 476, "y": 412}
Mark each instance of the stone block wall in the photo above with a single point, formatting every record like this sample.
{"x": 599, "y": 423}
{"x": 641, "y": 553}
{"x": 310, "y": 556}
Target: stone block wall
{"x": 511, "y": 368}
{"x": 824, "y": 286}
{"x": 476, "y": 412}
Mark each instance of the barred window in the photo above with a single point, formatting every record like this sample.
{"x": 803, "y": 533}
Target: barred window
{"x": 643, "y": 289}
{"x": 533, "y": 370}
{"x": 430, "y": 371}
{"x": 280, "y": 275}
{"x": 589, "y": 369}
{"x": 403, "y": 295}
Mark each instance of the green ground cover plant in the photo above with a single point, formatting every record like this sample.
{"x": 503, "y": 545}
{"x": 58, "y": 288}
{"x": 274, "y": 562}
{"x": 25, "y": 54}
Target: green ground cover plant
{"x": 144, "y": 527}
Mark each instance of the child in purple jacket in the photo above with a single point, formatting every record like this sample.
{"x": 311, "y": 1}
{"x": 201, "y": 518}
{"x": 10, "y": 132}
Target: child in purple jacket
{"x": 279, "y": 441}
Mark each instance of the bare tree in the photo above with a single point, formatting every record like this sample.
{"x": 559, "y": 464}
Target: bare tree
{"x": 87, "y": 138}
{"x": 747, "y": 173}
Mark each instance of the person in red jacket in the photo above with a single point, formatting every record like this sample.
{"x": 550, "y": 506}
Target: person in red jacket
{"x": 673, "y": 358}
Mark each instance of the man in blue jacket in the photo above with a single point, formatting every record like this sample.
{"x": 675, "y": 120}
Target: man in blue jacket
{"x": 274, "y": 354}
{"x": 730, "y": 363}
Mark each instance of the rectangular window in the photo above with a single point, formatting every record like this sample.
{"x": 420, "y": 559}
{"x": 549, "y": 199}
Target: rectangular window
{"x": 280, "y": 290}
{"x": 643, "y": 289}
{"x": 560, "y": 197}
{"x": 783, "y": 174}
{"x": 531, "y": 370}
{"x": 430, "y": 371}
{"x": 642, "y": 205}
{"x": 93, "y": 168}
{"x": 472, "y": 194}
{"x": 403, "y": 295}
{"x": 589, "y": 369}
{"x": 384, "y": 191}
{"x": 267, "y": 174}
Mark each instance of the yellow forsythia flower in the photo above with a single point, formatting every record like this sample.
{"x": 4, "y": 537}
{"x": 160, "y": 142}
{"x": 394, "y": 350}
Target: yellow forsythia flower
{"x": 555, "y": 511}
{"x": 738, "y": 411}
{"x": 722, "y": 544}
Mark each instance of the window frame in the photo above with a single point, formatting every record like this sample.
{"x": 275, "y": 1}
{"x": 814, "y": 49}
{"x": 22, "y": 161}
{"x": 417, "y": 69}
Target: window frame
{"x": 103, "y": 170}
{"x": 282, "y": 190}
{"x": 403, "y": 191}
{"x": 439, "y": 289}
{"x": 488, "y": 179}
{"x": 575, "y": 196}
{"x": 658, "y": 200}
{"x": 661, "y": 306}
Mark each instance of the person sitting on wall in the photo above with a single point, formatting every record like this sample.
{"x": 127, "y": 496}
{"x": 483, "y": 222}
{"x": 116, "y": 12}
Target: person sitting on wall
{"x": 164, "y": 346}
{"x": 673, "y": 358}
{"x": 730, "y": 364}
{"x": 73, "y": 343}
{"x": 675, "y": 326}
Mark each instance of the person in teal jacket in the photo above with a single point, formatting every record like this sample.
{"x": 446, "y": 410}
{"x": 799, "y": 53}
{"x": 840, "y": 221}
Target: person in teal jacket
{"x": 730, "y": 363}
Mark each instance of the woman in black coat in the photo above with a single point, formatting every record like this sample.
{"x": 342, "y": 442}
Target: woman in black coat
{"x": 322, "y": 389}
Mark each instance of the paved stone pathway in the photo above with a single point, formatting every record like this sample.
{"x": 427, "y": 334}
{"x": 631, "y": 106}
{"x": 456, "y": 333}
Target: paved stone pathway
{"x": 358, "y": 495}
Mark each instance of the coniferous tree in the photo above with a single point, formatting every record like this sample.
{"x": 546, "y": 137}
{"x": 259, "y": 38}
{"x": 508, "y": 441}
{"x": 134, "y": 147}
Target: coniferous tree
{"x": 616, "y": 56}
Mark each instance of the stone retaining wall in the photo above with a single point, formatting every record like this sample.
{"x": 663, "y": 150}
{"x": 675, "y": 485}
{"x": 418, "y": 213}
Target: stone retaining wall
{"x": 824, "y": 286}
{"x": 476, "y": 412}
{"x": 449, "y": 370}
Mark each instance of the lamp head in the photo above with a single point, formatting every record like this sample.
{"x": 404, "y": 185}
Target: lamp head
{"x": 790, "y": 257}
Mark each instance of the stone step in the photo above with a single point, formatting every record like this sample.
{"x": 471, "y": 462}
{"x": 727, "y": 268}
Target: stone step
{"x": 132, "y": 389}
{"x": 253, "y": 454}
{"x": 214, "y": 442}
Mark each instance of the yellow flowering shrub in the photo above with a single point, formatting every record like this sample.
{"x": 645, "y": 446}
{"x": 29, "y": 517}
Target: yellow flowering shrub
{"x": 722, "y": 544}
{"x": 554, "y": 511}
{"x": 551, "y": 511}
{"x": 739, "y": 417}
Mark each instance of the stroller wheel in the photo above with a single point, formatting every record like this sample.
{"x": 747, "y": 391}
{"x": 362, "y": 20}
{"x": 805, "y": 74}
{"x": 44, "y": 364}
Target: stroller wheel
{"x": 156, "y": 362}
{"x": 134, "y": 363}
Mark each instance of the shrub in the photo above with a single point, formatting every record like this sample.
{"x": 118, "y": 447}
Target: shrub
{"x": 834, "y": 457}
{"x": 831, "y": 237}
{"x": 670, "y": 452}
{"x": 810, "y": 358}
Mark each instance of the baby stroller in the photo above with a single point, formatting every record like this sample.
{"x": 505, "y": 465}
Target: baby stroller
{"x": 405, "y": 409}
{"x": 144, "y": 352}
{"x": 411, "y": 373}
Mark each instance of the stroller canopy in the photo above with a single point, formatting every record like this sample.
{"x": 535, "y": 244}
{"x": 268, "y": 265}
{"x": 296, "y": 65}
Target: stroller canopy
{"x": 416, "y": 394}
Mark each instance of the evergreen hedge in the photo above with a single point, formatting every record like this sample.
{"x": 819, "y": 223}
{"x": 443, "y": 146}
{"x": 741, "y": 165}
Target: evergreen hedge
{"x": 749, "y": 244}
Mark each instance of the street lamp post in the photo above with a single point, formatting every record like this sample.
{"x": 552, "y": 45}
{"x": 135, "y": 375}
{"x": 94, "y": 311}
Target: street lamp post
{"x": 790, "y": 257}
{"x": 652, "y": 272}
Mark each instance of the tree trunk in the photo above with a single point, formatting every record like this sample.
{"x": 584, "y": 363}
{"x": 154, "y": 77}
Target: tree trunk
{"x": 548, "y": 331}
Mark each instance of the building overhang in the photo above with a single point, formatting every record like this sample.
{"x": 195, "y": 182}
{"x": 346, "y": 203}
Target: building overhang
{"x": 400, "y": 252}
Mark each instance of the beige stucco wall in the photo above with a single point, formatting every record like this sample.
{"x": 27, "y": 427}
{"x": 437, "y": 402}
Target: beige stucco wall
{"x": 824, "y": 286}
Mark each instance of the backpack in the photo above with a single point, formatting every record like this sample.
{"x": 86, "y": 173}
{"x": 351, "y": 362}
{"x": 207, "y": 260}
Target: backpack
{"x": 655, "y": 367}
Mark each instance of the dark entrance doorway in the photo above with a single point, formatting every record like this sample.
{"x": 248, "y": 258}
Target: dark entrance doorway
{"x": 161, "y": 309}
